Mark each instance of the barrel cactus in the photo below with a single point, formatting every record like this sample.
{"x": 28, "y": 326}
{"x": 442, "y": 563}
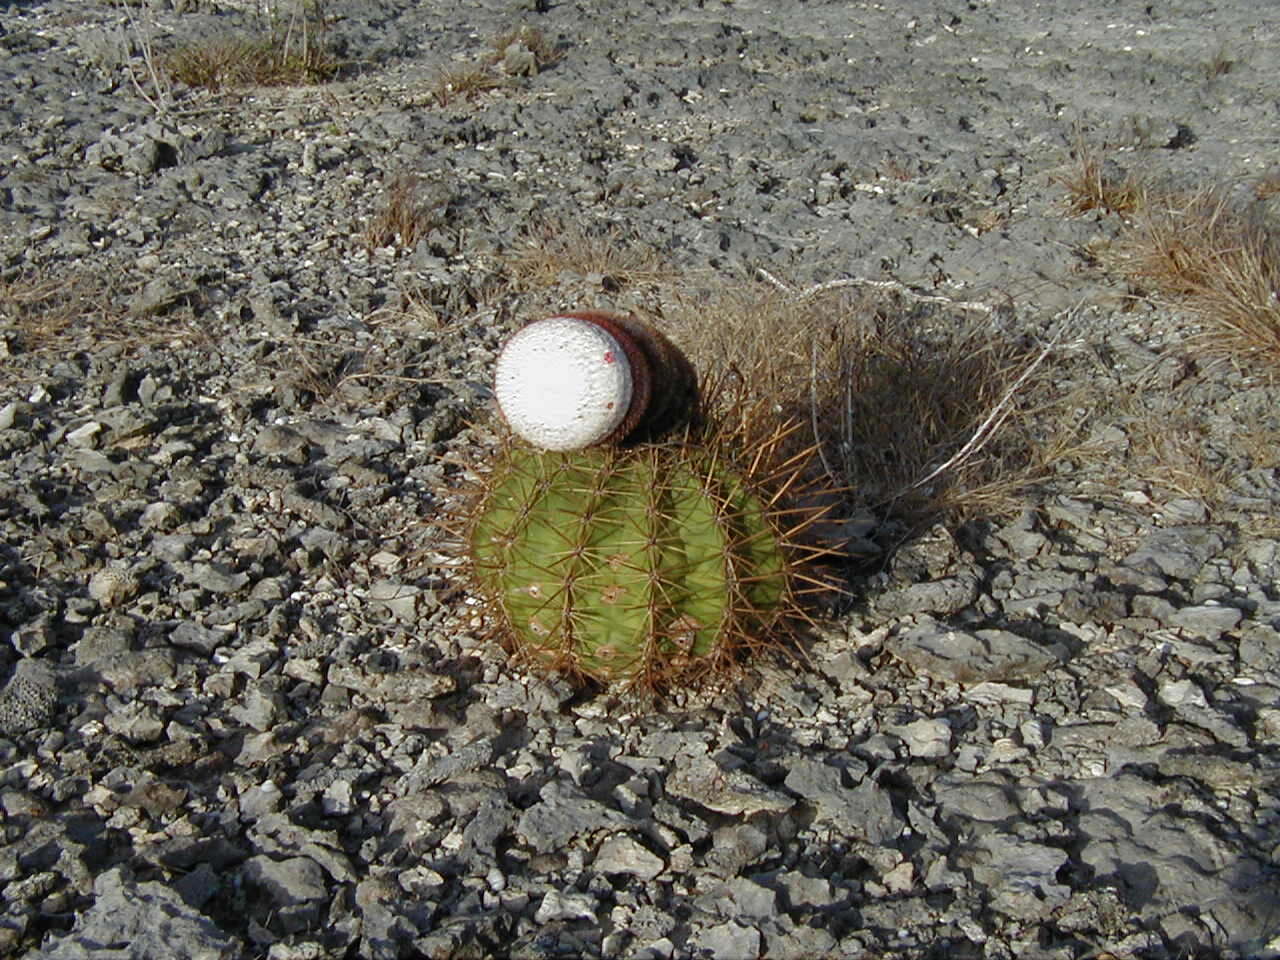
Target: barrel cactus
{"x": 639, "y": 566}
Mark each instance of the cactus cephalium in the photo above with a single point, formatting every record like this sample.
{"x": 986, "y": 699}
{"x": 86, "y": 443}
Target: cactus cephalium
{"x": 639, "y": 566}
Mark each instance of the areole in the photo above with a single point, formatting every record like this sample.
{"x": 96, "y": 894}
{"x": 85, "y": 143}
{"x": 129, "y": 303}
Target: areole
{"x": 588, "y": 377}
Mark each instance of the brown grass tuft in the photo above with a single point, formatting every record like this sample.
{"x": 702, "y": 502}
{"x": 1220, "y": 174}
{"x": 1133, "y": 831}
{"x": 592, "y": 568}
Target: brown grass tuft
{"x": 1091, "y": 184}
{"x": 891, "y": 392}
{"x": 1217, "y": 255}
{"x": 544, "y": 50}
{"x": 48, "y": 311}
{"x": 404, "y": 219}
{"x": 465, "y": 82}
{"x": 618, "y": 258}
{"x": 293, "y": 56}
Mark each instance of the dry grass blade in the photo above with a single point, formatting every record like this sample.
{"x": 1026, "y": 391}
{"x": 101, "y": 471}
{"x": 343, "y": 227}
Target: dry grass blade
{"x": 915, "y": 410}
{"x": 619, "y": 259}
{"x": 404, "y": 219}
{"x": 228, "y": 62}
{"x": 46, "y": 311}
{"x": 1092, "y": 185}
{"x": 1220, "y": 259}
{"x": 545, "y": 51}
{"x": 464, "y": 82}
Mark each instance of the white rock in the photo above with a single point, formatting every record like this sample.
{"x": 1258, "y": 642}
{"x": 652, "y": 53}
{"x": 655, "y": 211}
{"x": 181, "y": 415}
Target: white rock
{"x": 926, "y": 738}
{"x": 623, "y": 854}
{"x": 565, "y": 906}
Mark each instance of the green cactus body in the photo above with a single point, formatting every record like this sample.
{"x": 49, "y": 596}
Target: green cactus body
{"x": 635, "y": 565}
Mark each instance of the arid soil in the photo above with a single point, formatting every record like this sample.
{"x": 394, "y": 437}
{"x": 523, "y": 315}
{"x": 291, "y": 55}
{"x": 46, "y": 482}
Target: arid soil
{"x": 247, "y": 334}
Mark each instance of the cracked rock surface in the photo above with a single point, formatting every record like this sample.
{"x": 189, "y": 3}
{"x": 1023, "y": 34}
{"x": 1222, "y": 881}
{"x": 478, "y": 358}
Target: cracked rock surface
{"x": 247, "y": 706}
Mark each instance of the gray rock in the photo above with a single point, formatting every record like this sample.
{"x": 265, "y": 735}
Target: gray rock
{"x": 1166, "y": 857}
{"x": 565, "y": 906}
{"x": 281, "y": 441}
{"x": 863, "y": 810}
{"x": 1181, "y": 694}
{"x": 735, "y": 847}
{"x": 290, "y": 881}
{"x": 137, "y": 722}
{"x": 729, "y": 940}
{"x": 35, "y": 636}
{"x": 1178, "y": 552}
{"x": 295, "y": 887}
{"x": 1207, "y": 621}
{"x": 139, "y": 921}
{"x": 984, "y": 800}
{"x": 803, "y": 891}
{"x": 925, "y": 737}
{"x": 261, "y": 707}
{"x": 562, "y": 814}
{"x": 1021, "y": 875}
{"x": 945, "y": 596}
{"x": 102, "y": 642}
{"x": 193, "y": 636}
{"x": 752, "y": 900}
{"x": 970, "y": 656}
{"x": 160, "y": 516}
{"x": 734, "y": 792}
{"x": 405, "y": 601}
{"x": 430, "y": 771}
{"x": 212, "y": 577}
{"x": 802, "y": 943}
{"x": 1021, "y": 538}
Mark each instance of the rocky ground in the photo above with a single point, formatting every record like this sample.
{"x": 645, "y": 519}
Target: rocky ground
{"x": 249, "y": 709}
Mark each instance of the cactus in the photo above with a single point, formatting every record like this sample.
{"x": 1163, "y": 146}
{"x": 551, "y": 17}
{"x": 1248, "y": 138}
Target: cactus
{"x": 638, "y": 566}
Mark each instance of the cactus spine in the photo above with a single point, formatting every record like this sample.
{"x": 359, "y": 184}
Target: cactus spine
{"x": 637, "y": 566}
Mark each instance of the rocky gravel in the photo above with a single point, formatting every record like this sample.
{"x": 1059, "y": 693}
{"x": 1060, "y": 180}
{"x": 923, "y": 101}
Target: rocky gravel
{"x": 247, "y": 705}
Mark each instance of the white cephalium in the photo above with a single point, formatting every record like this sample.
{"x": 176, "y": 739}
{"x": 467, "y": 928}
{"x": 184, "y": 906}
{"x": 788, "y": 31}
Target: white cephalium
{"x": 563, "y": 383}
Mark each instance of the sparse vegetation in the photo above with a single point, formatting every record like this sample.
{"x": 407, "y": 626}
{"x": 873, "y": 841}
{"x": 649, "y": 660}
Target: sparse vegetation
{"x": 1214, "y": 253}
{"x": 1214, "y": 250}
{"x": 616, "y": 257}
{"x": 232, "y": 62}
{"x": 1093, "y": 184}
{"x": 1220, "y": 64}
{"x": 59, "y": 311}
{"x": 465, "y": 81}
{"x": 42, "y": 311}
{"x": 291, "y": 52}
{"x": 916, "y": 412}
{"x": 545, "y": 51}
{"x": 405, "y": 217}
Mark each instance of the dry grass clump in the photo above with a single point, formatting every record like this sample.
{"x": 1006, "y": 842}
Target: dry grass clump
{"x": 1219, "y": 257}
{"x": 465, "y": 82}
{"x": 618, "y": 258}
{"x": 51, "y": 311}
{"x": 404, "y": 218}
{"x": 1092, "y": 184}
{"x": 1215, "y": 250}
{"x": 919, "y": 413}
{"x": 42, "y": 310}
{"x": 493, "y": 71}
{"x": 293, "y": 56}
{"x": 544, "y": 50}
